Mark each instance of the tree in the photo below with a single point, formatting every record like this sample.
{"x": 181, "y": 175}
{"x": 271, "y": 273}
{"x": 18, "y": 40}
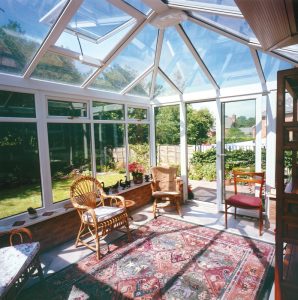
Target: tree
{"x": 167, "y": 125}
{"x": 199, "y": 123}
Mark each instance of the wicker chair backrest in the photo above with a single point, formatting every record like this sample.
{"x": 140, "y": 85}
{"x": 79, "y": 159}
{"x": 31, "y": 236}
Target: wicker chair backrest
{"x": 165, "y": 178}
{"x": 86, "y": 190}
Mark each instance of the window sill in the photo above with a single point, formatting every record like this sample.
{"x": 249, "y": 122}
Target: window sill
{"x": 25, "y": 221}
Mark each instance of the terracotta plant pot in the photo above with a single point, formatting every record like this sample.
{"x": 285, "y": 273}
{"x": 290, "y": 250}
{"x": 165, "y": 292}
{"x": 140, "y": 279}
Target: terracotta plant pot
{"x": 137, "y": 179}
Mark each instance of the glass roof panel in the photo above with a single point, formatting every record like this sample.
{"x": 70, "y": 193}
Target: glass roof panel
{"x": 143, "y": 87}
{"x": 139, "y": 5}
{"x": 238, "y": 25}
{"x": 271, "y": 65}
{"x": 162, "y": 88}
{"x": 96, "y": 18}
{"x": 132, "y": 61}
{"x": 290, "y": 52}
{"x": 218, "y": 2}
{"x": 23, "y": 27}
{"x": 178, "y": 63}
{"x": 90, "y": 48}
{"x": 229, "y": 62}
{"x": 58, "y": 68}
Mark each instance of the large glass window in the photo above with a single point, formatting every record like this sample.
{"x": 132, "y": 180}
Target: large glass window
{"x": 67, "y": 108}
{"x": 20, "y": 185}
{"x": 70, "y": 155}
{"x": 107, "y": 111}
{"x": 135, "y": 113}
{"x": 16, "y": 105}
{"x": 138, "y": 143}
{"x": 110, "y": 153}
{"x": 167, "y": 135}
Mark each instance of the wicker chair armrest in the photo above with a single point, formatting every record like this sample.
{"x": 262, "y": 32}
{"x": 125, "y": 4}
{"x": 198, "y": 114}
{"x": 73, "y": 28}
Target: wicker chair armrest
{"x": 154, "y": 185}
{"x": 93, "y": 215}
{"x": 81, "y": 207}
{"x": 19, "y": 232}
{"x": 115, "y": 200}
{"x": 179, "y": 184}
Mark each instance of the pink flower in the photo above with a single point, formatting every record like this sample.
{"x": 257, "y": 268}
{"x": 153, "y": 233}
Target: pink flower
{"x": 135, "y": 168}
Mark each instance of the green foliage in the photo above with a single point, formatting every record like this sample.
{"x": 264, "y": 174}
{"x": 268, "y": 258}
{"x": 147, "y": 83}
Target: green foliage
{"x": 203, "y": 163}
{"x": 140, "y": 154}
{"x": 199, "y": 123}
{"x": 234, "y": 134}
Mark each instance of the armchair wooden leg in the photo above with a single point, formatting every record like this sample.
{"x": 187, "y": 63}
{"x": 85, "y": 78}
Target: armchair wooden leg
{"x": 128, "y": 232}
{"x": 82, "y": 227}
{"x": 226, "y": 217}
{"x": 235, "y": 213}
{"x": 261, "y": 221}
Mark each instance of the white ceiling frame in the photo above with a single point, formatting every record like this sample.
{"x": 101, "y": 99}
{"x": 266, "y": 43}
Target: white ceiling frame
{"x": 88, "y": 60}
{"x": 157, "y": 5}
{"x": 128, "y": 9}
{"x": 197, "y": 56}
{"x": 115, "y": 31}
{"x": 118, "y": 48}
{"x": 169, "y": 81}
{"x": 238, "y": 39}
{"x": 259, "y": 69}
{"x": 206, "y": 7}
{"x": 55, "y": 32}
{"x": 137, "y": 80}
{"x": 156, "y": 60}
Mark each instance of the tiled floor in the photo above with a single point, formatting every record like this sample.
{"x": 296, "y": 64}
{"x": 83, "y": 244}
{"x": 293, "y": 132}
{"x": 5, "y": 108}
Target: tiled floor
{"x": 194, "y": 211}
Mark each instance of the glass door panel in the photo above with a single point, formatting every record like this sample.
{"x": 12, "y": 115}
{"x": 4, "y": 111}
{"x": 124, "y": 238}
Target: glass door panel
{"x": 239, "y": 134}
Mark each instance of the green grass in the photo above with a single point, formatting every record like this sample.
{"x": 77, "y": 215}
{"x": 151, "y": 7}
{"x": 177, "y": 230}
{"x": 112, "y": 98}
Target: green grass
{"x": 17, "y": 199}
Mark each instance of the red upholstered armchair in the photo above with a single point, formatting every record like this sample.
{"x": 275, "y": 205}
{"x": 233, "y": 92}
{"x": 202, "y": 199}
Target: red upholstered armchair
{"x": 248, "y": 187}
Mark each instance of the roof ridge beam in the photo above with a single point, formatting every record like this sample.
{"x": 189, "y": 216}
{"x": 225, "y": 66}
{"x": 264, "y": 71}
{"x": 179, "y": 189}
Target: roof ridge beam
{"x": 259, "y": 69}
{"x": 156, "y": 60}
{"x": 196, "y": 56}
{"x": 53, "y": 35}
{"x": 137, "y": 80}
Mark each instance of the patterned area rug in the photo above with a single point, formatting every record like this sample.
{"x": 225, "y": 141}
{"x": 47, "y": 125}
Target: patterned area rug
{"x": 168, "y": 259}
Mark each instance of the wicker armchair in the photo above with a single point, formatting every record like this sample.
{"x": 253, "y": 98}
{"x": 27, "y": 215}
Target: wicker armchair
{"x": 99, "y": 213}
{"x": 166, "y": 186}
{"x": 19, "y": 261}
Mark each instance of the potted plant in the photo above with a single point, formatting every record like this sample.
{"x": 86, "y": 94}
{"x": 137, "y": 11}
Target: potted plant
{"x": 137, "y": 171}
{"x": 32, "y": 213}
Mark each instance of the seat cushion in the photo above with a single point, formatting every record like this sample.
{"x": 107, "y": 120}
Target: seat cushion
{"x": 13, "y": 261}
{"x": 244, "y": 200}
{"x": 103, "y": 213}
{"x": 165, "y": 194}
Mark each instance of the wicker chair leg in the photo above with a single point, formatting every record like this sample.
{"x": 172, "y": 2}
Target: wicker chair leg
{"x": 178, "y": 207}
{"x": 226, "y": 215}
{"x": 79, "y": 234}
{"x": 154, "y": 208}
{"x": 97, "y": 244}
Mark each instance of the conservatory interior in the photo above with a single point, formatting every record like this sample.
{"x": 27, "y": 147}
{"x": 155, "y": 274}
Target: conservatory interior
{"x": 97, "y": 93}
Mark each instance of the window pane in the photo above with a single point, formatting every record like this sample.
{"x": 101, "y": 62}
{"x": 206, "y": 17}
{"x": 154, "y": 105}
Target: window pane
{"x": 20, "y": 185}
{"x": 16, "y": 105}
{"x": 138, "y": 142}
{"x": 110, "y": 154}
{"x": 229, "y": 62}
{"x": 179, "y": 64}
{"x": 23, "y": 27}
{"x": 66, "y": 108}
{"x": 107, "y": 111}
{"x": 271, "y": 65}
{"x": 162, "y": 88}
{"x": 133, "y": 61}
{"x": 139, "y": 5}
{"x": 137, "y": 113}
{"x": 69, "y": 146}
{"x": 143, "y": 87}
{"x": 167, "y": 135}
{"x": 59, "y": 68}
{"x": 96, "y": 18}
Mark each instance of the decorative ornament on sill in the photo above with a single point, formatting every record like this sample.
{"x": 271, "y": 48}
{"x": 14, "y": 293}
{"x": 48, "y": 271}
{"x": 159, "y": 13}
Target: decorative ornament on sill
{"x": 32, "y": 213}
